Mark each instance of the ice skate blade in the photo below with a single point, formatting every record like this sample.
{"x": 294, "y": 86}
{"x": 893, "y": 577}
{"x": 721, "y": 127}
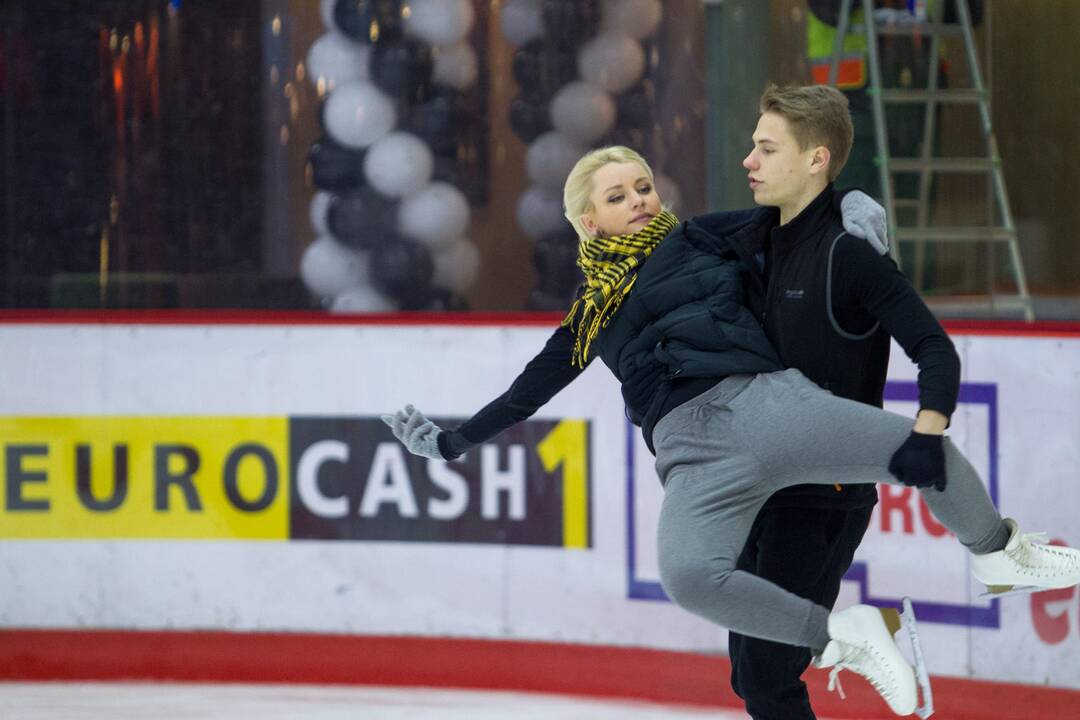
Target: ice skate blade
{"x": 997, "y": 591}
{"x": 907, "y": 618}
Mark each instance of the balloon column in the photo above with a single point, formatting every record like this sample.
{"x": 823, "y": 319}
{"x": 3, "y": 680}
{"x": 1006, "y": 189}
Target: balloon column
{"x": 390, "y": 229}
{"x": 582, "y": 70}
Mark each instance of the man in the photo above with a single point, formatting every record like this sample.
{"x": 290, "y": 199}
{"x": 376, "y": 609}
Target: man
{"x": 829, "y": 308}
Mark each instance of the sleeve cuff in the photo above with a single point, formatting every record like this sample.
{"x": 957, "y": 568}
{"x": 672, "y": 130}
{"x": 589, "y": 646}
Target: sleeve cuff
{"x": 451, "y": 444}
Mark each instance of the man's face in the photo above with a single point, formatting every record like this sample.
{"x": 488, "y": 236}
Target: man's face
{"x": 779, "y": 171}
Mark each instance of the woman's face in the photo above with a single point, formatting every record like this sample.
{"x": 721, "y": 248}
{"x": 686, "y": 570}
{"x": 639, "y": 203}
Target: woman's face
{"x": 623, "y": 199}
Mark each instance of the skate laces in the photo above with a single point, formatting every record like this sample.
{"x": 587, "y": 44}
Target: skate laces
{"x": 1034, "y": 547}
{"x": 834, "y": 681}
{"x": 852, "y": 659}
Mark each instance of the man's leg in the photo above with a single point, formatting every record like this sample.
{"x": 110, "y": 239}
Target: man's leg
{"x": 806, "y": 551}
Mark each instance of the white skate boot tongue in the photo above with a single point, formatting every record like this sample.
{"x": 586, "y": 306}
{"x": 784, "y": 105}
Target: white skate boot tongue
{"x": 832, "y": 654}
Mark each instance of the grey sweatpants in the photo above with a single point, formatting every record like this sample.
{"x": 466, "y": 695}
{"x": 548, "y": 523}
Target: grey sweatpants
{"x": 722, "y": 454}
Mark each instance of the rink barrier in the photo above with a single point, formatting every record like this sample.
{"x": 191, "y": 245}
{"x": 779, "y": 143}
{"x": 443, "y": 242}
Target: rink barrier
{"x": 581, "y": 670}
{"x": 587, "y": 670}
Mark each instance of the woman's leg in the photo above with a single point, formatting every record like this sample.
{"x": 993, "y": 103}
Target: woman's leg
{"x": 713, "y": 490}
{"x": 722, "y": 454}
{"x": 803, "y": 434}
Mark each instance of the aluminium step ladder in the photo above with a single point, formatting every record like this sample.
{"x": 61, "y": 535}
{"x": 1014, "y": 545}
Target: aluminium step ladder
{"x": 999, "y": 227}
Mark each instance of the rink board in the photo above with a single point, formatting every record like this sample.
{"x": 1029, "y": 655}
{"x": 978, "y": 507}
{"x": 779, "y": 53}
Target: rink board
{"x": 235, "y": 477}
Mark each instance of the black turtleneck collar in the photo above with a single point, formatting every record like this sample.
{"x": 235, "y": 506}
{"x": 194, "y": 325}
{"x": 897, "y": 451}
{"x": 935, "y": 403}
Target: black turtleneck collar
{"x": 817, "y": 215}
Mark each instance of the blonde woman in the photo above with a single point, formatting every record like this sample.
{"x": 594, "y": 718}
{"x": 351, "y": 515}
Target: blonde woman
{"x": 663, "y": 304}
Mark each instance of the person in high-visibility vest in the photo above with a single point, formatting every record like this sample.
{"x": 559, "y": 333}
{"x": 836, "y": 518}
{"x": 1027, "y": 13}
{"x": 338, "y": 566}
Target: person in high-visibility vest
{"x": 904, "y": 63}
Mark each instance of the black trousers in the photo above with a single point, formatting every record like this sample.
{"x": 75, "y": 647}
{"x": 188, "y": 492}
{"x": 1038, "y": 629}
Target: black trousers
{"x": 804, "y": 550}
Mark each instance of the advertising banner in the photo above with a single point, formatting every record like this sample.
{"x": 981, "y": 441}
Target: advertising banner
{"x": 240, "y": 477}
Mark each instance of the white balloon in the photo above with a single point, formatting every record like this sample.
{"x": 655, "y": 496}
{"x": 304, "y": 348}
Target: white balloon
{"x": 456, "y": 265}
{"x": 440, "y": 22}
{"x": 326, "y": 11}
{"x": 582, "y": 112}
{"x": 540, "y": 211}
{"x": 550, "y": 158}
{"x": 669, "y": 192}
{"x": 328, "y": 268}
{"x": 362, "y": 299}
{"x": 399, "y": 164}
{"x": 636, "y": 18}
{"x": 456, "y": 66}
{"x": 521, "y": 21}
{"x": 612, "y": 61}
{"x": 435, "y": 216}
{"x": 318, "y": 210}
{"x": 335, "y": 59}
{"x": 357, "y": 114}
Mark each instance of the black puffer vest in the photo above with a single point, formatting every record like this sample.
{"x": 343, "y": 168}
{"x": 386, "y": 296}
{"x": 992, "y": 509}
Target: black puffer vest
{"x": 685, "y": 318}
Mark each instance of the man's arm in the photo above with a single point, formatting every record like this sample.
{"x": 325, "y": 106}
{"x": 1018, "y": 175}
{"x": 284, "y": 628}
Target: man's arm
{"x": 864, "y": 280}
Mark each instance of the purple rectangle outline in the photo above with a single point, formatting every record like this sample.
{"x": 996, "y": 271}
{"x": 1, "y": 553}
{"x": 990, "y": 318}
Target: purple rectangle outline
{"x": 943, "y": 613}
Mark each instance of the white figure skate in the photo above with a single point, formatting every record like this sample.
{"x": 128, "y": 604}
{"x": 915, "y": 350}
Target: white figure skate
{"x": 1025, "y": 565}
{"x": 862, "y": 640}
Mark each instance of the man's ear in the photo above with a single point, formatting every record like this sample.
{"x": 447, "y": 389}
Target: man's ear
{"x": 819, "y": 161}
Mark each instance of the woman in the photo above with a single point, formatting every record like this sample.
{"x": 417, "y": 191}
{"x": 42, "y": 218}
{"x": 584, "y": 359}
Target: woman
{"x": 663, "y": 307}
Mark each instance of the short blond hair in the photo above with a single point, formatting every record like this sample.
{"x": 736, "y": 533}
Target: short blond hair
{"x": 577, "y": 192}
{"x": 817, "y": 115}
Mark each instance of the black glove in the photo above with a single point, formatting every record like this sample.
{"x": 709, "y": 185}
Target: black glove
{"x": 920, "y": 461}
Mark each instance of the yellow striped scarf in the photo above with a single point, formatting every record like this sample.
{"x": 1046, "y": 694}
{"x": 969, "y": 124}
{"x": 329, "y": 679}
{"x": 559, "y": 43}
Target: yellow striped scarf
{"x": 610, "y": 265}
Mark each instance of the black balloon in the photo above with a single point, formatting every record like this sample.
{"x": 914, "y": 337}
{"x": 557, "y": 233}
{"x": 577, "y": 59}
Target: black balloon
{"x": 572, "y": 22}
{"x": 402, "y": 271}
{"x": 444, "y": 300}
{"x": 530, "y": 117}
{"x": 363, "y": 219}
{"x": 467, "y": 177}
{"x": 439, "y": 119}
{"x": 542, "y": 301}
{"x": 630, "y": 137}
{"x": 636, "y": 105}
{"x": 541, "y": 67}
{"x": 334, "y": 167}
{"x": 555, "y": 257}
{"x": 368, "y": 20}
{"x": 402, "y": 68}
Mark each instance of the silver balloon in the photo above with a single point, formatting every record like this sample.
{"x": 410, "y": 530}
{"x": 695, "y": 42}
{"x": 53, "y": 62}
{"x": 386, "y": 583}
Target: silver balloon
{"x": 582, "y": 112}
{"x": 436, "y": 215}
{"x": 362, "y": 299}
{"x": 550, "y": 158}
{"x": 636, "y": 18}
{"x": 455, "y": 66}
{"x": 612, "y": 61}
{"x": 326, "y": 11}
{"x": 540, "y": 211}
{"x": 335, "y": 59}
{"x": 440, "y": 22}
{"x": 399, "y": 164}
{"x": 456, "y": 265}
{"x": 328, "y": 268}
{"x": 318, "y": 210}
{"x": 357, "y": 114}
{"x": 521, "y": 21}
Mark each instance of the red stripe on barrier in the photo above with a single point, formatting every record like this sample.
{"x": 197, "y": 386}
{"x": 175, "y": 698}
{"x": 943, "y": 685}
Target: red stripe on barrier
{"x": 1050, "y": 328}
{"x": 597, "y": 671}
{"x": 268, "y": 317}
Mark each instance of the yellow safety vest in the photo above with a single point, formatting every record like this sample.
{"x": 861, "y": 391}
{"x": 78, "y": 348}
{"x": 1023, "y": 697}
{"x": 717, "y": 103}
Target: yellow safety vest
{"x": 820, "y": 37}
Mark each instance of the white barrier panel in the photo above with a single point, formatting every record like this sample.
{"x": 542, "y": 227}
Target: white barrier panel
{"x": 233, "y": 477}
